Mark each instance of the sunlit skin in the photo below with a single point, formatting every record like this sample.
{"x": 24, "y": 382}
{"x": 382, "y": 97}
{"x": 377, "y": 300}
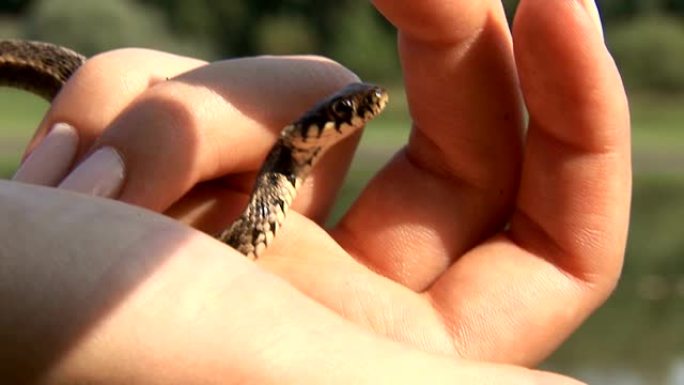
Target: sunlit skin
{"x": 471, "y": 251}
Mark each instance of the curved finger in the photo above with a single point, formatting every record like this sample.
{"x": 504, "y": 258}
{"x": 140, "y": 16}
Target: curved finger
{"x": 92, "y": 98}
{"x": 456, "y": 180}
{"x": 581, "y": 156}
{"x": 562, "y": 254}
{"x": 214, "y": 121}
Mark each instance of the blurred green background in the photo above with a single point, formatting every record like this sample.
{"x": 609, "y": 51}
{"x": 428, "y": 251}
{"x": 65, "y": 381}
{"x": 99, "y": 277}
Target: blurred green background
{"x": 638, "y": 337}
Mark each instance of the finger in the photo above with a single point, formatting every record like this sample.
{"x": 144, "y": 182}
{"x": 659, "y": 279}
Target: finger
{"x": 562, "y": 255}
{"x": 456, "y": 180}
{"x": 211, "y": 122}
{"x": 136, "y": 298}
{"x": 582, "y": 158}
{"x": 94, "y": 96}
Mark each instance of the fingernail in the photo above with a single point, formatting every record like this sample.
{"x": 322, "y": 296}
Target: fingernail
{"x": 50, "y": 161}
{"x": 592, "y": 10}
{"x": 102, "y": 174}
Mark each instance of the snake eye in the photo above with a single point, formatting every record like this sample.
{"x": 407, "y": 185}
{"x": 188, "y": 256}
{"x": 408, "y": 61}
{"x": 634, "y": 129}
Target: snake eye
{"x": 342, "y": 108}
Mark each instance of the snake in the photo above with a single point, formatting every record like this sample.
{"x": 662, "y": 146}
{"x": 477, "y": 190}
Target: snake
{"x": 43, "y": 68}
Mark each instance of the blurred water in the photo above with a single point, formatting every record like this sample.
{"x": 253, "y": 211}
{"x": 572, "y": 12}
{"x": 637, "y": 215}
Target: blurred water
{"x": 636, "y": 338}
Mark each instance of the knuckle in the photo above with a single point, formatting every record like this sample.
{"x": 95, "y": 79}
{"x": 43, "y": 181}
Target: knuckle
{"x": 113, "y": 68}
{"x": 164, "y": 117}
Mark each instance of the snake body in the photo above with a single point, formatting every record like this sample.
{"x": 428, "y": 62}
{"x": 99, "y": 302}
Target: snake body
{"x": 43, "y": 68}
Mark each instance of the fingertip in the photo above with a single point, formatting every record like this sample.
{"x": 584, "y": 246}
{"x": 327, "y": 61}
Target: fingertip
{"x": 585, "y": 10}
{"x": 594, "y": 15}
{"x": 436, "y": 21}
{"x": 49, "y": 161}
{"x": 563, "y": 61}
{"x": 576, "y": 21}
{"x": 102, "y": 174}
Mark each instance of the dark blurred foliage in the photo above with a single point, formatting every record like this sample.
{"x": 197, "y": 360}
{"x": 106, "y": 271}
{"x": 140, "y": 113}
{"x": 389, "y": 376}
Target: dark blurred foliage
{"x": 14, "y": 6}
{"x": 239, "y": 28}
{"x": 212, "y": 30}
{"x": 676, "y": 6}
{"x": 92, "y": 27}
{"x": 614, "y": 10}
{"x": 650, "y": 51}
{"x": 235, "y": 25}
{"x": 644, "y": 35}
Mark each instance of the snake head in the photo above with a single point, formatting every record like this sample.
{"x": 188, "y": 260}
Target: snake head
{"x": 339, "y": 115}
{"x": 356, "y": 104}
{"x": 290, "y": 160}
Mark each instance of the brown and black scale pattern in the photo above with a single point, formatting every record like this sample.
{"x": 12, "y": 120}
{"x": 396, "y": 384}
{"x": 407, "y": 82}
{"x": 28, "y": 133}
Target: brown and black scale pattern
{"x": 289, "y": 162}
{"x": 38, "y": 67}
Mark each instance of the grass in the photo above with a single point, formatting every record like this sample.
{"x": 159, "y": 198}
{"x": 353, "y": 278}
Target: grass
{"x": 21, "y": 112}
{"x": 662, "y": 114}
{"x": 658, "y": 124}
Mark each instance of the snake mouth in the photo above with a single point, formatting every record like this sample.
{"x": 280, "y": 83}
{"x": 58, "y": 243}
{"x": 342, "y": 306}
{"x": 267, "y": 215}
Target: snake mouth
{"x": 380, "y": 99}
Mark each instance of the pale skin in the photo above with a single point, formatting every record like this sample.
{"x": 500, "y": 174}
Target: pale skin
{"x": 501, "y": 248}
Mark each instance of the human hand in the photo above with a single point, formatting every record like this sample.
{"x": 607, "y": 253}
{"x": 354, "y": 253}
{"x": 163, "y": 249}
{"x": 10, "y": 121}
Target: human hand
{"x": 98, "y": 292}
{"x": 473, "y": 242}
{"x": 421, "y": 257}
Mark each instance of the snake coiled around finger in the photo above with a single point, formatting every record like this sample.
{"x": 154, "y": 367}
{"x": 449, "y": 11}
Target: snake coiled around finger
{"x": 44, "y": 68}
